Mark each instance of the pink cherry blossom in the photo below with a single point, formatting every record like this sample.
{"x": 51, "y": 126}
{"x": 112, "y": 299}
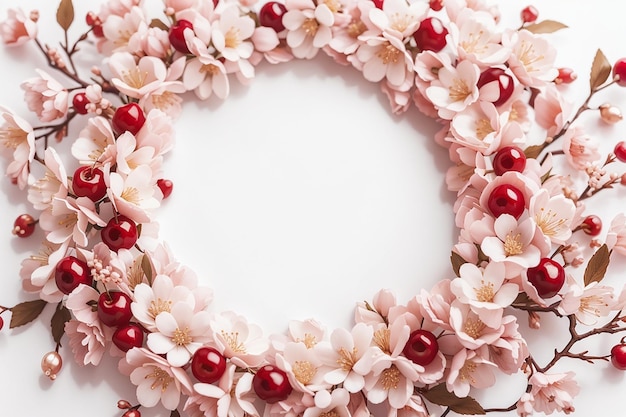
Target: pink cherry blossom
{"x": 532, "y": 57}
{"x": 304, "y": 368}
{"x": 345, "y": 39}
{"x": 588, "y": 304}
{"x": 455, "y": 89}
{"x": 134, "y": 195}
{"x": 477, "y": 40}
{"x": 124, "y": 32}
{"x": 240, "y": 341}
{"x": 45, "y": 96}
{"x": 580, "y": 149}
{"x": 136, "y": 78}
{"x": 553, "y": 392}
{"x": 156, "y": 43}
{"x": 330, "y": 403}
{"x": 88, "y": 342}
{"x": 510, "y": 351}
{"x": 231, "y": 34}
{"x": 95, "y": 143}
{"x": 67, "y": 219}
{"x": 308, "y": 26}
{"x": 552, "y": 110}
{"x": 205, "y": 74}
{"x": 17, "y": 136}
{"x": 553, "y": 215}
{"x": 129, "y": 156}
{"x": 398, "y": 18}
{"x": 156, "y": 380}
{"x": 157, "y": 133}
{"x": 38, "y": 271}
{"x": 470, "y": 330}
{"x": 385, "y": 58}
{"x": 18, "y": 28}
{"x": 469, "y": 369}
{"x": 616, "y": 236}
{"x": 52, "y": 185}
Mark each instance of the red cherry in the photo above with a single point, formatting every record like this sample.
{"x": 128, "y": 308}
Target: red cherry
{"x": 592, "y": 225}
{"x": 208, "y": 365}
{"x": 529, "y": 14}
{"x": 133, "y": 412}
{"x": 509, "y": 158}
{"x": 378, "y": 3}
{"x": 70, "y": 272}
{"x": 114, "y": 308}
{"x": 119, "y": 233}
{"x": 79, "y": 102}
{"x": 128, "y": 336}
{"x": 422, "y": 347}
{"x": 506, "y": 86}
{"x": 166, "y": 187}
{"x": 177, "y": 35}
{"x": 618, "y": 356}
{"x": 98, "y": 31}
{"x": 431, "y": 35}
{"x": 89, "y": 182}
{"x": 619, "y": 72}
{"x": 271, "y": 15}
{"x": 620, "y": 151}
{"x": 1, "y": 323}
{"x": 436, "y": 5}
{"x": 506, "y": 199}
{"x": 129, "y": 117}
{"x": 566, "y": 76}
{"x": 271, "y": 384}
{"x": 548, "y": 277}
{"x": 24, "y": 225}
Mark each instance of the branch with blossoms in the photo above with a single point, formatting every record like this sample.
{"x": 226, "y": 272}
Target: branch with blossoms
{"x": 522, "y": 220}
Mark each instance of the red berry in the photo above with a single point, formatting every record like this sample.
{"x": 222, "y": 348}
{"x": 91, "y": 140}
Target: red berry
{"x": 79, "y": 102}
{"x": 378, "y": 4}
{"x": 24, "y": 225}
{"x": 618, "y": 356}
{"x": 619, "y": 71}
{"x": 177, "y": 35}
{"x": 421, "y": 348}
{"x": 119, "y": 233}
{"x": 98, "y": 31}
{"x": 271, "y": 15}
{"x": 592, "y": 225}
{"x": 129, "y": 117}
{"x": 504, "y": 81}
{"x": 431, "y": 35}
{"x": 548, "y": 277}
{"x": 1, "y": 323}
{"x": 271, "y": 384}
{"x": 506, "y": 199}
{"x": 436, "y": 5}
{"x": 529, "y": 14}
{"x": 166, "y": 187}
{"x": 70, "y": 272}
{"x": 133, "y": 412}
{"x": 123, "y": 405}
{"x": 128, "y": 336}
{"x": 89, "y": 182}
{"x": 620, "y": 151}
{"x": 114, "y": 308}
{"x": 566, "y": 76}
{"x": 208, "y": 365}
{"x": 509, "y": 158}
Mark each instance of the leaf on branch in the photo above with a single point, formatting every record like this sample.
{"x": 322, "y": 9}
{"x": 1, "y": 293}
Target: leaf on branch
{"x": 65, "y": 14}
{"x": 600, "y": 70}
{"x": 533, "y": 151}
{"x": 456, "y": 260}
{"x": 57, "y": 323}
{"x": 174, "y": 413}
{"x": 146, "y": 267}
{"x": 461, "y": 405}
{"x": 25, "y": 312}
{"x": 159, "y": 24}
{"x": 596, "y": 268}
{"x": 545, "y": 26}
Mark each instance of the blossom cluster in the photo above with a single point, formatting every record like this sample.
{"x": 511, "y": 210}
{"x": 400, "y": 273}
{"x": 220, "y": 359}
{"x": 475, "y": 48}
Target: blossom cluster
{"x": 517, "y": 219}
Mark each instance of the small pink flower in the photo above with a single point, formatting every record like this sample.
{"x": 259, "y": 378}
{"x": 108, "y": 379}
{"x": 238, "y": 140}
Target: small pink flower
{"x": 455, "y": 89}
{"x": 45, "y": 96}
{"x": 616, "y": 236}
{"x": 38, "y": 271}
{"x": 551, "y": 110}
{"x": 398, "y": 18}
{"x": 588, "y": 304}
{"x": 240, "y": 341}
{"x": 18, "y": 28}
{"x": 470, "y": 330}
{"x": 385, "y": 58}
{"x": 469, "y": 369}
{"x": 134, "y": 195}
{"x": 553, "y": 215}
{"x": 308, "y": 26}
{"x": 532, "y": 58}
{"x": 124, "y": 31}
{"x": 553, "y": 392}
{"x": 88, "y": 341}
{"x": 205, "y": 74}
{"x": 17, "y": 136}
{"x": 67, "y": 219}
{"x": 580, "y": 149}
{"x": 478, "y": 41}
{"x": 231, "y": 34}
{"x": 136, "y": 78}
{"x": 52, "y": 185}
{"x": 95, "y": 143}
{"x": 157, "y": 133}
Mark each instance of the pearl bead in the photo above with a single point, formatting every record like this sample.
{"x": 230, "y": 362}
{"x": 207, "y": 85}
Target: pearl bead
{"x": 51, "y": 364}
{"x": 610, "y": 114}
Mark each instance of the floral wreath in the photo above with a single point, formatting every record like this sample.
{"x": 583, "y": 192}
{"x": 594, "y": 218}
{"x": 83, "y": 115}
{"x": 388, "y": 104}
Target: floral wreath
{"x": 522, "y": 170}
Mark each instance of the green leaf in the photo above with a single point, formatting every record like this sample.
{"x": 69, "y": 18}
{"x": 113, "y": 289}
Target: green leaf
{"x": 545, "y": 26}
{"x": 596, "y": 268}
{"x": 25, "y": 312}
{"x": 461, "y": 405}
{"x": 57, "y": 323}
{"x": 65, "y": 14}
{"x": 456, "y": 260}
{"x": 600, "y": 70}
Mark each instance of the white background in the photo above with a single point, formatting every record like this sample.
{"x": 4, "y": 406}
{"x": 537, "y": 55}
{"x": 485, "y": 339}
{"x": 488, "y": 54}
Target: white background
{"x": 296, "y": 197}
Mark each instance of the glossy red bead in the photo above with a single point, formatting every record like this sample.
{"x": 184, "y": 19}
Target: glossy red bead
{"x": 177, "y": 35}
{"x": 208, "y": 365}
{"x": 128, "y": 118}
{"x": 79, "y": 102}
{"x": 421, "y": 348}
{"x": 114, "y": 308}
{"x": 271, "y": 15}
{"x": 618, "y": 356}
{"x": 619, "y": 72}
{"x": 378, "y": 3}
{"x": 70, "y": 272}
{"x": 166, "y": 187}
{"x": 566, "y": 76}
{"x": 620, "y": 151}
{"x": 271, "y": 384}
{"x": 509, "y": 158}
{"x": 506, "y": 85}
{"x": 592, "y": 225}
{"x": 529, "y": 14}
{"x": 548, "y": 277}
{"x": 1, "y": 323}
{"x": 119, "y": 233}
{"x": 506, "y": 199}
{"x": 128, "y": 336}
{"x": 436, "y": 5}
{"x": 89, "y": 182}
{"x": 431, "y": 35}
{"x": 133, "y": 412}
{"x": 24, "y": 225}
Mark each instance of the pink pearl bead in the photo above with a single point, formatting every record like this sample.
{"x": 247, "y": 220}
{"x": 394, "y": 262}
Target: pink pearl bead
{"x": 51, "y": 364}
